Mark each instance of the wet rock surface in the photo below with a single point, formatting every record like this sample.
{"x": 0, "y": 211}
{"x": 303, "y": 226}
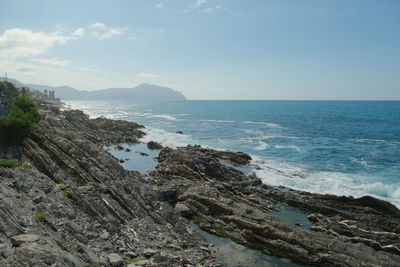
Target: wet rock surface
{"x": 77, "y": 206}
{"x": 153, "y": 145}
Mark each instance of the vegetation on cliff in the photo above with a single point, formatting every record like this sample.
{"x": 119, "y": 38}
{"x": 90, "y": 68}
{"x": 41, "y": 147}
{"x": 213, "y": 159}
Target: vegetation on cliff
{"x": 18, "y": 124}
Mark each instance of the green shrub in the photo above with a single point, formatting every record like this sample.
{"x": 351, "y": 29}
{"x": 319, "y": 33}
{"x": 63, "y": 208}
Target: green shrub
{"x": 65, "y": 192}
{"x": 18, "y": 125}
{"x": 26, "y": 166}
{"x": 40, "y": 216}
{"x": 28, "y": 107}
{"x": 9, "y": 89}
{"x": 62, "y": 186}
{"x": 8, "y": 163}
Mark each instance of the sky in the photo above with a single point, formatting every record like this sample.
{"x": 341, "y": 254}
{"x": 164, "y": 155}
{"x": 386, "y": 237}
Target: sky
{"x": 208, "y": 49}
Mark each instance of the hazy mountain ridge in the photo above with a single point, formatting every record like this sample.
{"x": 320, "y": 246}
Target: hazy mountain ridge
{"x": 143, "y": 91}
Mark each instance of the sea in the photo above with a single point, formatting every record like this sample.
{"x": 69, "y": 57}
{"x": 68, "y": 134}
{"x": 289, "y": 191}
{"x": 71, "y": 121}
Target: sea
{"x": 349, "y": 148}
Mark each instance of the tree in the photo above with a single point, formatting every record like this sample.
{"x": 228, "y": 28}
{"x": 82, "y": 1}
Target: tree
{"x": 18, "y": 125}
{"x": 8, "y": 89}
{"x": 25, "y": 91}
{"x": 28, "y": 107}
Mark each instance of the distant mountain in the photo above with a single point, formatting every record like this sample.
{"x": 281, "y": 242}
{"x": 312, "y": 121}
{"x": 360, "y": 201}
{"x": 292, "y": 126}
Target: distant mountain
{"x": 142, "y": 92}
{"x": 13, "y": 81}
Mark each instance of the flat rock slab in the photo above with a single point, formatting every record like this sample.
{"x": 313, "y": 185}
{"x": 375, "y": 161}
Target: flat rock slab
{"x": 115, "y": 259}
{"x": 19, "y": 239}
{"x": 143, "y": 263}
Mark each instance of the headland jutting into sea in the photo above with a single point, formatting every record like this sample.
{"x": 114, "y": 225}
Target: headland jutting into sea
{"x": 73, "y": 204}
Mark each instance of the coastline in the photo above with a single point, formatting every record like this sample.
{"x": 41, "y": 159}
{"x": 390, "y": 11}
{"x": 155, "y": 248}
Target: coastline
{"x": 108, "y": 210}
{"x": 334, "y": 158}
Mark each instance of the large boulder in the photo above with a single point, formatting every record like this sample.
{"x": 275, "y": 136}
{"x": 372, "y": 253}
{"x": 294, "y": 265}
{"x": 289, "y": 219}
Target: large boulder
{"x": 154, "y": 145}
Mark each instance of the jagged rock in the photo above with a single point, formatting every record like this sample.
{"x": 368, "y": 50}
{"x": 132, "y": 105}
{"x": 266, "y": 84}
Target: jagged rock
{"x": 391, "y": 249}
{"x": 104, "y": 235}
{"x": 149, "y": 252}
{"x": 93, "y": 207}
{"x": 5, "y": 250}
{"x": 115, "y": 259}
{"x": 378, "y": 204}
{"x": 20, "y": 239}
{"x": 143, "y": 154}
{"x": 222, "y": 201}
{"x": 130, "y": 254}
{"x": 183, "y": 210}
{"x": 154, "y": 145}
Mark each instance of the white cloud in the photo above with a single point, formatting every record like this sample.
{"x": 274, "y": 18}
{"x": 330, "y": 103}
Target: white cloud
{"x": 201, "y": 7}
{"x": 143, "y": 75}
{"x": 159, "y": 5}
{"x": 12, "y": 67}
{"x": 52, "y": 61}
{"x": 87, "y": 69}
{"x": 209, "y": 11}
{"x": 24, "y": 68}
{"x": 78, "y": 33}
{"x": 98, "y": 26}
{"x": 19, "y": 42}
{"x": 78, "y": 77}
{"x": 101, "y": 31}
{"x": 133, "y": 38}
{"x": 200, "y": 2}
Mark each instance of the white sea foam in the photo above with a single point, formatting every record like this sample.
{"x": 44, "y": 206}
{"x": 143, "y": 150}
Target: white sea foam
{"x": 261, "y": 146}
{"x": 294, "y": 147}
{"x": 164, "y": 116}
{"x": 261, "y": 135}
{"x": 253, "y": 132}
{"x": 269, "y": 124}
{"x": 217, "y": 121}
{"x": 277, "y": 173}
{"x": 166, "y": 138}
{"x": 362, "y": 162}
{"x": 363, "y": 140}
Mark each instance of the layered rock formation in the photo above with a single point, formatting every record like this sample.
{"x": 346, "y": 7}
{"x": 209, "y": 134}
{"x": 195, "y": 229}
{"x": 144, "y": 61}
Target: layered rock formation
{"x": 75, "y": 206}
{"x": 222, "y": 200}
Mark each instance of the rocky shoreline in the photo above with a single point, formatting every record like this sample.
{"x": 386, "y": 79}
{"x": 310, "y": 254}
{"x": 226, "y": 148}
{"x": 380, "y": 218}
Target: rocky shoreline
{"x": 73, "y": 204}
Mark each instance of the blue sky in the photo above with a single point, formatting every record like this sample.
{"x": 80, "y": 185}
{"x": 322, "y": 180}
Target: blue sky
{"x": 215, "y": 49}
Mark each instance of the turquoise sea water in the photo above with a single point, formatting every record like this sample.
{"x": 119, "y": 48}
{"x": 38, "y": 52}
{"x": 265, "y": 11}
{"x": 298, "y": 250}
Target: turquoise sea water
{"x": 336, "y": 147}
